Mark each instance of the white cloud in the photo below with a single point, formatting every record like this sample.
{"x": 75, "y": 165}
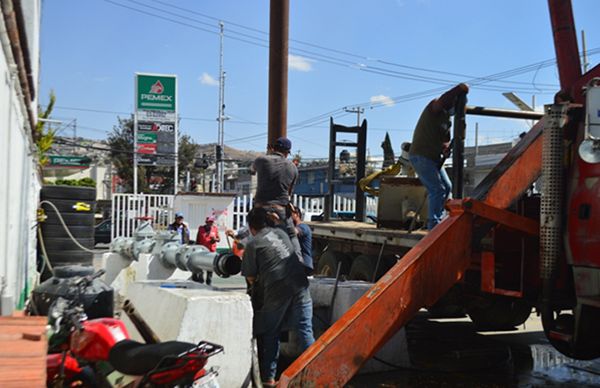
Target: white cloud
{"x": 206, "y": 79}
{"x": 382, "y": 99}
{"x": 296, "y": 62}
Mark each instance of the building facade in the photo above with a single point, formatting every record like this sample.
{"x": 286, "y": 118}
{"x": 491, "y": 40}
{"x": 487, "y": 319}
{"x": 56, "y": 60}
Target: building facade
{"x": 19, "y": 171}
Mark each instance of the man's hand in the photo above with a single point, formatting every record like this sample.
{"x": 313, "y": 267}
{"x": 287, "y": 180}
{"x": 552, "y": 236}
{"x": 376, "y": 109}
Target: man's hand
{"x": 230, "y": 233}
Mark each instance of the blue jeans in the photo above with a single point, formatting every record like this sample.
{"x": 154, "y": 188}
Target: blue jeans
{"x": 437, "y": 183}
{"x": 296, "y": 314}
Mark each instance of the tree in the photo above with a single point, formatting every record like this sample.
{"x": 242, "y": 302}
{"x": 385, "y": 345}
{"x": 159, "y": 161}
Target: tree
{"x": 121, "y": 155}
{"x": 187, "y": 154}
{"x": 120, "y": 142}
{"x": 44, "y": 138}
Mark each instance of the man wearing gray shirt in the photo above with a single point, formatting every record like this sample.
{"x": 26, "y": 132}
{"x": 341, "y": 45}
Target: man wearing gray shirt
{"x": 271, "y": 267}
{"x": 276, "y": 177}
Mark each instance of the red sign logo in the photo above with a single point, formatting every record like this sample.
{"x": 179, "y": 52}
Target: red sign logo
{"x": 157, "y": 88}
{"x": 149, "y": 149}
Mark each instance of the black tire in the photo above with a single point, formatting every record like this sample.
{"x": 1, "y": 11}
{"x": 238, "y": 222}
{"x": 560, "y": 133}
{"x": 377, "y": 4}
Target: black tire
{"x": 67, "y": 244}
{"x": 69, "y": 271}
{"x": 58, "y": 231}
{"x": 66, "y": 206}
{"x": 363, "y": 268}
{"x": 68, "y": 192}
{"x": 328, "y": 263}
{"x": 450, "y": 305}
{"x": 70, "y": 219}
{"x": 500, "y": 314}
{"x": 70, "y": 257}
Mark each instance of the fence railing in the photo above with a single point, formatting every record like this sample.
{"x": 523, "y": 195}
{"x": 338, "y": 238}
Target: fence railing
{"x": 128, "y": 208}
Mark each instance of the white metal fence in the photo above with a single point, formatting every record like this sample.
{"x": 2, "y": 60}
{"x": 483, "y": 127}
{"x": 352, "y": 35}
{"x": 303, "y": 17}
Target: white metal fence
{"x": 128, "y": 208}
{"x": 309, "y": 205}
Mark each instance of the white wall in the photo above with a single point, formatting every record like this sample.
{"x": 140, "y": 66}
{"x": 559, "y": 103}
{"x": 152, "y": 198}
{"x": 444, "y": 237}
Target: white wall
{"x": 19, "y": 174}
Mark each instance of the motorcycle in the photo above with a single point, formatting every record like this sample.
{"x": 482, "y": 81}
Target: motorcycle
{"x": 100, "y": 353}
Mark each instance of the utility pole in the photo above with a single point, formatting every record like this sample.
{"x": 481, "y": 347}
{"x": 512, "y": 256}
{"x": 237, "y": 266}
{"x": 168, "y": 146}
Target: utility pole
{"x": 221, "y": 119}
{"x": 279, "y": 16}
{"x": 585, "y": 61}
{"x": 358, "y": 110}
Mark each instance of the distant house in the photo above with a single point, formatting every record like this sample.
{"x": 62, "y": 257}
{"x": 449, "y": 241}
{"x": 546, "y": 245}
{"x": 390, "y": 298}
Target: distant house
{"x": 312, "y": 182}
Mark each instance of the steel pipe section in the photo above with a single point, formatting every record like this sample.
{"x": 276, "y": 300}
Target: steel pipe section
{"x": 172, "y": 254}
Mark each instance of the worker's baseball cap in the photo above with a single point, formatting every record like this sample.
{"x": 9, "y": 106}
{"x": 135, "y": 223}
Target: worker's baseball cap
{"x": 210, "y": 219}
{"x": 178, "y": 215}
{"x": 283, "y": 143}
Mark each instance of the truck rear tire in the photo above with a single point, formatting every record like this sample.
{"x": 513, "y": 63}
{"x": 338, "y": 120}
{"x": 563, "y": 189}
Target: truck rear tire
{"x": 363, "y": 268}
{"x": 500, "y": 314}
{"x": 328, "y": 263}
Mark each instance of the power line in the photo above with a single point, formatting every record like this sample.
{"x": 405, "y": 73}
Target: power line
{"x": 312, "y": 55}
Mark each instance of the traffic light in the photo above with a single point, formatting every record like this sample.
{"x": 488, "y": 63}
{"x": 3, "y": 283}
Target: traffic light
{"x": 202, "y": 163}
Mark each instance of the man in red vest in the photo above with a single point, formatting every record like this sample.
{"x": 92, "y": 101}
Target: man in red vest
{"x": 208, "y": 236}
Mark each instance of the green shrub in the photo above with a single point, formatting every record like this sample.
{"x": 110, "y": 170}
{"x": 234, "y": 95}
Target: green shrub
{"x": 83, "y": 182}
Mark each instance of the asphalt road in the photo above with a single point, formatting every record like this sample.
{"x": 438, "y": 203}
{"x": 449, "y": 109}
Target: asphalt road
{"x": 451, "y": 353}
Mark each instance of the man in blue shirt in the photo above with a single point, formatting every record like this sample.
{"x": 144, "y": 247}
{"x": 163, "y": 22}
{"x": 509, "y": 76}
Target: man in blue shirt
{"x": 181, "y": 228}
{"x": 305, "y": 238}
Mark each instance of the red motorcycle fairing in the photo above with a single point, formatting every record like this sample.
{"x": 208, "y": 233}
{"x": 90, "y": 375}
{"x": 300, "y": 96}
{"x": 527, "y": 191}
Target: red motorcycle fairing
{"x": 53, "y": 363}
{"x": 97, "y": 337}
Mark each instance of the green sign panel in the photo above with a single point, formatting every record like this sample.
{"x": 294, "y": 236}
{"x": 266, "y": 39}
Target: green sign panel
{"x": 155, "y": 92}
{"x": 70, "y": 161}
{"x": 146, "y": 138}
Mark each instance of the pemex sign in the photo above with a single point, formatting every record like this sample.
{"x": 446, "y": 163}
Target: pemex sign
{"x": 155, "y": 120}
{"x": 155, "y": 92}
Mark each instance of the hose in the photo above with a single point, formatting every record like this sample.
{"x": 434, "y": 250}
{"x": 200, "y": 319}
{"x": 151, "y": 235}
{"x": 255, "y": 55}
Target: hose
{"x": 68, "y": 231}
{"x": 44, "y": 254}
{"x": 364, "y": 183}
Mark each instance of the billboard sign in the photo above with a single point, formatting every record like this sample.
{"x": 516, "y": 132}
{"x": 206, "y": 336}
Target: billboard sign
{"x": 155, "y": 120}
{"x": 155, "y": 92}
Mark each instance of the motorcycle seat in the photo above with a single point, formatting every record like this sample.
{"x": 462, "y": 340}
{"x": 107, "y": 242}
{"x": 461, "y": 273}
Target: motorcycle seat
{"x": 135, "y": 358}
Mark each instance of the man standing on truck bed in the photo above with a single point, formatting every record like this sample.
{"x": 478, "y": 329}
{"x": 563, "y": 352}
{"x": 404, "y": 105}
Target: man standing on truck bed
{"x": 276, "y": 177}
{"x": 430, "y": 144}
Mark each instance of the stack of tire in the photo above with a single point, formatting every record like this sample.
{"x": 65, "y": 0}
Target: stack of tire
{"x": 76, "y": 205}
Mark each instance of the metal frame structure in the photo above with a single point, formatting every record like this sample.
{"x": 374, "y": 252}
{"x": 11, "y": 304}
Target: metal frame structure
{"x": 361, "y": 150}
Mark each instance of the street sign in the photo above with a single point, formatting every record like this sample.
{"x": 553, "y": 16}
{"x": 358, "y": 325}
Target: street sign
{"x": 69, "y": 161}
{"x": 146, "y": 137}
{"x": 155, "y": 92}
{"x": 156, "y": 116}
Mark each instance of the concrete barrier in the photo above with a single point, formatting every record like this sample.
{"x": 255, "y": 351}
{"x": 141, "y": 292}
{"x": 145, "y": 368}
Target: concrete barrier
{"x": 192, "y": 312}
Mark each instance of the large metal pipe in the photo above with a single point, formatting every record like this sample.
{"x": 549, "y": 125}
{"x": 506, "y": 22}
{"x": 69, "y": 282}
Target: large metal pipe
{"x": 509, "y": 113}
{"x": 458, "y": 152}
{"x": 196, "y": 258}
{"x": 278, "y": 68}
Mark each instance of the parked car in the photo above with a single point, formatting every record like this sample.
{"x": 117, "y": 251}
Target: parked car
{"x": 102, "y": 232}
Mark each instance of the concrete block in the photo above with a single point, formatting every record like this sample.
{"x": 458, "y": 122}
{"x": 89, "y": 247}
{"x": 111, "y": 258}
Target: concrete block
{"x": 394, "y": 352}
{"x": 121, "y": 271}
{"x": 198, "y": 312}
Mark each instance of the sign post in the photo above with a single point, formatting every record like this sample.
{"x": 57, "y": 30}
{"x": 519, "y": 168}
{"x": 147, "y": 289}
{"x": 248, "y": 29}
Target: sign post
{"x": 155, "y": 123}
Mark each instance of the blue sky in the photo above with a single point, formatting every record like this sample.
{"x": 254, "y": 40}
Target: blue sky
{"x": 91, "y": 49}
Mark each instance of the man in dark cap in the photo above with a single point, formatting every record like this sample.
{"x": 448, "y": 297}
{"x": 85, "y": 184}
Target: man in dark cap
{"x": 429, "y": 145}
{"x": 276, "y": 176}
